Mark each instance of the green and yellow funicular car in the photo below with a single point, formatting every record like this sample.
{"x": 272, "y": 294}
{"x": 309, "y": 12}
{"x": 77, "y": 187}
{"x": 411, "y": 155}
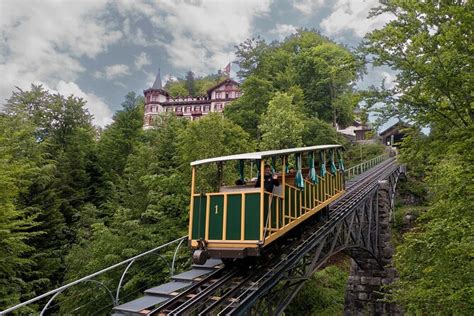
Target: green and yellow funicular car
{"x": 235, "y": 221}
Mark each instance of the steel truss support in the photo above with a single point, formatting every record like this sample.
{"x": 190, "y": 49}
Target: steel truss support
{"x": 355, "y": 234}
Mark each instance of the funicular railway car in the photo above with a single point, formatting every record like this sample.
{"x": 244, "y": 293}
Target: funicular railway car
{"x": 236, "y": 221}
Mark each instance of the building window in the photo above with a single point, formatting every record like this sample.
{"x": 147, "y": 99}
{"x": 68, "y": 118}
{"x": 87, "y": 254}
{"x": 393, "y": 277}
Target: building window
{"x": 226, "y": 95}
{"x": 197, "y": 108}
{"x": 179, "y": 109}
{"x": 218, "y": 95}
{"x": 218, "y": 107}
{"x": 188, "y": 109}
{"x": 207, "y": 108}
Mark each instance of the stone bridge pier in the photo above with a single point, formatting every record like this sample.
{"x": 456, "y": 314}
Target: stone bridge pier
{"x": 369, "y": 274}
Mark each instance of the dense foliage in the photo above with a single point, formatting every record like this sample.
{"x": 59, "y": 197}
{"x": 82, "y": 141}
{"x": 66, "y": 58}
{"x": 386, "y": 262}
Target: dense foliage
{"x": 74, "y": 199}
{"x": 323, "y": 293}
{"x": 192, "y": 85}
{"x": 430, "y": 44}
{"x": 315, "y": 72}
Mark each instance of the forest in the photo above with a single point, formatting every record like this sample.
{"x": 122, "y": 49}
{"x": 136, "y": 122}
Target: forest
{"x": 75, "y": 198}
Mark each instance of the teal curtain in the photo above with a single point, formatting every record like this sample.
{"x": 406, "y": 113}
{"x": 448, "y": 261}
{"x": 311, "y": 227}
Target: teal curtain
{"x": 257, "y": 163}
{"x": 322, "y": 157}
{"x": 272, "y": 164}
{"x": 312, "y": 169}
{"x": 332, "y": 164}
{"x": 299, "y": 176}
{"x": 241, "y": 169}
{"x": 341, "y": 160}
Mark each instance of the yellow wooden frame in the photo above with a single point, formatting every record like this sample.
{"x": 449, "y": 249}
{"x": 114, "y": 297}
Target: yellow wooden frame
{"x": 329, "y": 188}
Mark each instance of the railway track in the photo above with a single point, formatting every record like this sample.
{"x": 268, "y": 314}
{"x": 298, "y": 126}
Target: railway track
{"x": 233, "y": 289}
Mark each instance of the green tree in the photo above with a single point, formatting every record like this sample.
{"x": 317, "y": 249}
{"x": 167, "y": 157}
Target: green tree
{"x": 176, "y": 89}
{"x": 120, "y": 138}
{"x": 17, "y": 225}
{"x": 201, "y": 85}
{"x": 318, "y": 132}
{"x": 325, "y": 73}
{"x": 282, "y": 124}
{"x": 150, "y": 206}
{"x": 435, "y": 260}
{"x": 322, "y": 70}
{"x": 64, "y": 140}
{"x": 428, "y": 44}
{"x": 249, "y": 54}
{"x": 247, "y": 110}
{"x": 323, "y": 294}
{"x": 190, "y": 84}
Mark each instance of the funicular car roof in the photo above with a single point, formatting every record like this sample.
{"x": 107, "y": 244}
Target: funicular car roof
{"x": 263, "y": 154}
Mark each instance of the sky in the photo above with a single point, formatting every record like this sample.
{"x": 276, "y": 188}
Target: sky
{"x": 100, "y": 50}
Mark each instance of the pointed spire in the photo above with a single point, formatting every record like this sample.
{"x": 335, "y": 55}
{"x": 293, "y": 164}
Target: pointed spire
{"x": 157, "y": 85}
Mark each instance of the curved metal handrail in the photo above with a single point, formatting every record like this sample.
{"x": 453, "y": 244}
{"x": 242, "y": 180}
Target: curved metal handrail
{"x": 117, "y": 295}
{"x": 56, "y": 292}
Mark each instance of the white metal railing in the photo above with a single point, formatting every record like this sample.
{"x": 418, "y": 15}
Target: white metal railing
{"x": 364, "y": 166}
{"x": 115, "y": 300}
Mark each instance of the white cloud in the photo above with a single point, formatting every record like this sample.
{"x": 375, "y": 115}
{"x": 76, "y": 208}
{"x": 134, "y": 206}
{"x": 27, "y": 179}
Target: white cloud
{"x": 113, "y": 72}
{"x": 352, "y": 15}
{"x": 149, "y": 79}
{"x": 307, "y": 7}
{"x": 283, "y": 30}
{"x": 142, "y": 60}
{"x": 96, "y": 106}
{"x": 116, "y": 71}
{"x": 169, "y": 77}
{"x": 43, "y": 42}
{"x": 200, "y": 35}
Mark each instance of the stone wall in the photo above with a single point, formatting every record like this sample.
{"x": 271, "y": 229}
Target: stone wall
{"x": 364, "y": 292}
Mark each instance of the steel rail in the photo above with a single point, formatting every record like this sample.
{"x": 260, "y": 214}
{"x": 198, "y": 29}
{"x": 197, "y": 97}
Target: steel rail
{"x": 176, "y": 299}
{"x": 203, "y": 295}
{"x": 225, "y": 297}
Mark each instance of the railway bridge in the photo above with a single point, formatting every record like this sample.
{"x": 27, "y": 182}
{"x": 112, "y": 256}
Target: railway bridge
{"x": 357, "y": 224}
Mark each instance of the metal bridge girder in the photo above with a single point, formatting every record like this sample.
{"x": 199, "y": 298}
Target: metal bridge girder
{"x": 355, "y": 233}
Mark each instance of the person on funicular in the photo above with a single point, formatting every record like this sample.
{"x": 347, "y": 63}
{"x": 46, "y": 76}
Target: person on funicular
{"x": 269, "y": 180}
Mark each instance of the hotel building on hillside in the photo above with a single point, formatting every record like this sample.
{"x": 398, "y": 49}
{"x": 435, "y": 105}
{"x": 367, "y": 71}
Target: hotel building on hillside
{"x": 157, "y": 101}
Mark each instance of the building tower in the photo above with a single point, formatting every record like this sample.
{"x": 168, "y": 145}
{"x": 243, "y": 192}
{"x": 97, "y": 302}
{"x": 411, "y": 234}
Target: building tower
{"x": 154, "y": 97}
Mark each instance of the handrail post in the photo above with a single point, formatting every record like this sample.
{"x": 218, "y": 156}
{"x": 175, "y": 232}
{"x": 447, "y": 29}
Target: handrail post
{"x": 174, "y": 257}
{"x": 121, "y": 280}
